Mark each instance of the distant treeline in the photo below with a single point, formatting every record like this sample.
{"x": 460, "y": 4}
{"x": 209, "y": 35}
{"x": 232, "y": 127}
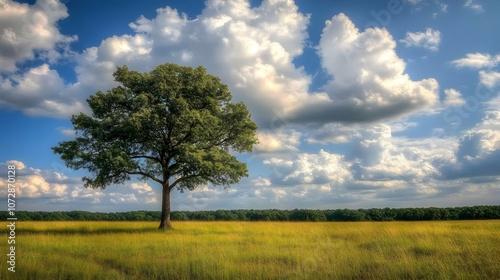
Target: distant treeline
{"x": 374, "y": 214}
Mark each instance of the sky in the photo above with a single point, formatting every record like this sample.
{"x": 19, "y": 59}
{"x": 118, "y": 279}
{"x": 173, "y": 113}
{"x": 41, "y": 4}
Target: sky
{"x": 359, "y": 104}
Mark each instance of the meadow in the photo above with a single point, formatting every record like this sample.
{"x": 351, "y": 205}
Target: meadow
{"x": 255, "y": 250}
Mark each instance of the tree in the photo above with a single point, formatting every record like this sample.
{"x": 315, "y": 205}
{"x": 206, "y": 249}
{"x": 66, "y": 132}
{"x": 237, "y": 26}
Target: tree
{"x": 174, "y": 125}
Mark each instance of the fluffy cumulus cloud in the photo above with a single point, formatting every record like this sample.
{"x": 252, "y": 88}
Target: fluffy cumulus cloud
{"x": 321, "y": 168}
{"x": 261, "y": 182}
{"x": 276, "y": 141}
{"x": 382, "y": 167}
{"x": 485, "y": 61}
{"x": 145, "y": 190}
{"x": 35, "y": 183}
{"x": 489, "y": 79}
{"x": 28, "y": 31}
{"x": 477, "y": 61}
{"x": 453, "y": 98}
{"x": 120, "y": 197}
{"x": 368, "y": 82}
{"x": 378, "y": 157}
{"x": 430, "y": 39}
{"x": 252, "y": 50}
{"x": 478, "y": 153}
{"x": 379, "y": 167}
{"x": 47, "y": 187}
{"x": 40, "y": 92}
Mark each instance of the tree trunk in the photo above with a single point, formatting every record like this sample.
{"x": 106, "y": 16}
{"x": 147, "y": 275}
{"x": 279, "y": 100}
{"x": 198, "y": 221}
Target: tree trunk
{"x": 165, "y": 208}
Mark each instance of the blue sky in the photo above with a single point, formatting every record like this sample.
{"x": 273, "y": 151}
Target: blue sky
{"x": 359, "y": 103}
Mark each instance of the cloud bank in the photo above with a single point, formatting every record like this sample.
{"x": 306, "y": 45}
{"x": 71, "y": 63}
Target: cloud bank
{"x": 252, "y": 50}
{"x": 29, "y": 31}
{"x": 368, "y": 82}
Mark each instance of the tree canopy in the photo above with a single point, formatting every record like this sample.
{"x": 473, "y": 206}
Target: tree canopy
{"x": 174, "y": 125}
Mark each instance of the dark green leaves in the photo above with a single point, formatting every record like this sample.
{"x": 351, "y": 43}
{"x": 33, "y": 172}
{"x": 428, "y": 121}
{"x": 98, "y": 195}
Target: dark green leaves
{"x": 174, "y": 122}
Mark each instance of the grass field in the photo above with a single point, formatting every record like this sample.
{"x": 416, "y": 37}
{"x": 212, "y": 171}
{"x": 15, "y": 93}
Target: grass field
{"x": 255, "y": 250}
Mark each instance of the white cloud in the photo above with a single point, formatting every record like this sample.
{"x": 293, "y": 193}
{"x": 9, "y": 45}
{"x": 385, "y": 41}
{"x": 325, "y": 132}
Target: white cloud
{"x": 321, "y": 168}
{"x": 122, "y": 198}
{"x": 261, "y": 182}
{"x": 30, "y": 30}
{"x": 453, "y": 98}
{"x": 145, "y": 192}
{"x": 80, "y": 194}
{"x": 36, "y": 186}
{"x": 252, "y": 50}
{"x": 19, "y": 165}
{"x": 201, "y": 197}
{"x": 141, "y": 187}
{"x": 151, "y": 199}
{"x": 477, "y": 61}
{"x": 277, "y": 141}
{"x": 429, "y": 40}
{"x": 378, "y": 161}
{"x": 40, "y": 92}
{"x": 35, "y": 183}
{"x": 53, "y": 187}
{"x": 489, "y": 79}
{"x": 368, "y": 83}
{"x": 478, "y": 153}
{"x": 278, "y": 161}
{"x": 476, "y": 7}
{"x": 380, "y": 168}
{"x": 380, "y": 157}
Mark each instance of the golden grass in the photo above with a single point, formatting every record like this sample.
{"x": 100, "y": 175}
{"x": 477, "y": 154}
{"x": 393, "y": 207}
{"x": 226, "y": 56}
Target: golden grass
{"x": 256, "y": 250}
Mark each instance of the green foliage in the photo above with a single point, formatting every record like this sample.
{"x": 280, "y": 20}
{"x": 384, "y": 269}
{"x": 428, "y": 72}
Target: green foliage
{"x": 307, "y": 215}
{"x": 173, "y": 122}
{"x": 374, "y": 214}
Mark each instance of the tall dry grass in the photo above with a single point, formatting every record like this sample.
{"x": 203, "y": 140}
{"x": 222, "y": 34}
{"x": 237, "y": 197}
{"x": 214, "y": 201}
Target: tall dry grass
{"x": 256, "y": 250}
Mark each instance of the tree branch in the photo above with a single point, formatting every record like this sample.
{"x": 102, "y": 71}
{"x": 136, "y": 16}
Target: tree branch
{"x": 145, "y": 175}
{"x": 229, "y": 136}
{"x": 182, "y": 179}
{"x": 183, "y": 140}
{"x": 143, "y": 156}
{"x": 172, "y": 167}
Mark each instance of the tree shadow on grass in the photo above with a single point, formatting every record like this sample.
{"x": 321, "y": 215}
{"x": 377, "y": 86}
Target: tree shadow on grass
{"x": 87, "y": 231}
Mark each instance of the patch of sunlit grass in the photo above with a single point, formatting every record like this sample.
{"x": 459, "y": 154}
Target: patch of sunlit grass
{"x": 256, "y": 250}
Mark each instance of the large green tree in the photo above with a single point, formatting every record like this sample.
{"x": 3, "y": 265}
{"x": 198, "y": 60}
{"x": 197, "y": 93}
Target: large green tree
{"x": 174, "y": 125}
